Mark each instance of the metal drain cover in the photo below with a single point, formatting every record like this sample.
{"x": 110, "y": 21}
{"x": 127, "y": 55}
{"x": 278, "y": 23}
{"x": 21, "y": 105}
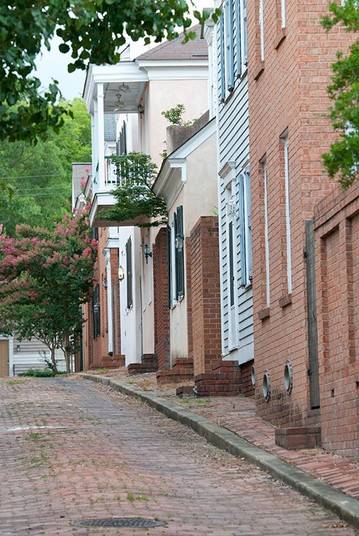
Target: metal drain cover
{"x": 132, "y": 522}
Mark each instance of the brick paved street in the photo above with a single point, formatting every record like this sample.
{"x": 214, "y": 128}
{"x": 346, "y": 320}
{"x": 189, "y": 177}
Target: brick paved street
{"x": 71, "y": 449}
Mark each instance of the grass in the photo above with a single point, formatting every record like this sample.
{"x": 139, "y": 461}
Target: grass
{"x": 15, "y": 382}
{"x": 131, "y": 497}
{"x": 38, "y": 373}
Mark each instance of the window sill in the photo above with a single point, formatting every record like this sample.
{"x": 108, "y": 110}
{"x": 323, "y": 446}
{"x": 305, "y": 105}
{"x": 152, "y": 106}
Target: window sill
{"x": 279, "y": 38}
{"x": 264, "y": 313}
{"x": 286, "y": 300}
{"x": 258, "y": 70}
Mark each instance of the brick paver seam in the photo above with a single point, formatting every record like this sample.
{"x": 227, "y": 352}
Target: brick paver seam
{"x": 343, "y": 505}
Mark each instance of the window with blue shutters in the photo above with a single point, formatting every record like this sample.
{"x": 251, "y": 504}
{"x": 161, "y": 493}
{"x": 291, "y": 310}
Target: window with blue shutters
{"x": 175, "y": 259}
{"x": 233, "y": 44}
{"x": 227, "y": 49}
{"x": 245, "y": 228}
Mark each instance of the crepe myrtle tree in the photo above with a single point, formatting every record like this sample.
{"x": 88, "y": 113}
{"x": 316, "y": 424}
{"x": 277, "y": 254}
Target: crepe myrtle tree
{"x": 90, "y": 31}
{"x": 45, "y": 276}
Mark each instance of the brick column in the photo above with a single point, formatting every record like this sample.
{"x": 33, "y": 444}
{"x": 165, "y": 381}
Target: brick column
{"x": 161, "y": 310}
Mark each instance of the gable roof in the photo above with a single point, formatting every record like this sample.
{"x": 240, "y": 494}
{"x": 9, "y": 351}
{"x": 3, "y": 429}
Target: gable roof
{"x": 196, "y": 49}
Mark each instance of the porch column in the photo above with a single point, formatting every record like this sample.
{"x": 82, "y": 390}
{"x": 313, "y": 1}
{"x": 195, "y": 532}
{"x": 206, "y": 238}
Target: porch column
{"x": 100, "y": 139}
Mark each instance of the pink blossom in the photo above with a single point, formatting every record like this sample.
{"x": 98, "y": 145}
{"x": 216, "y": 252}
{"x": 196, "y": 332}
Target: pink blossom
{"x": 87, "y": 170}
{"x": 83, "y": 182}
{"x": 87, "y": 240}
{"x": 67, "y": 231}
{"x": 93, "y": 242}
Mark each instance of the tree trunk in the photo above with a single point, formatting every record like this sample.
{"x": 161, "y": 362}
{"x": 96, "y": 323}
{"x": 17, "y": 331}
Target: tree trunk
{"x": 53, "y": 359}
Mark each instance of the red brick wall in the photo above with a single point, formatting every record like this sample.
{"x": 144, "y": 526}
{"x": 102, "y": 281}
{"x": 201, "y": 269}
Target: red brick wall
{"x": 206, "y": 311}
{"x": 336, "y": 225}
{"x": 161, "y": 310}
{"x": 287, "y": 93}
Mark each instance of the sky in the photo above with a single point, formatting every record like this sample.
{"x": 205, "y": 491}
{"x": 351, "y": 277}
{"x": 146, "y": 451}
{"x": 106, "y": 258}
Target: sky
{"x": 53, "y": 65}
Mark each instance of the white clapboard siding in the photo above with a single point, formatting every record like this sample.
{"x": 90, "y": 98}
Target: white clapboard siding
{"x": 233, "y": 147}
{"x": 29, "y": 354}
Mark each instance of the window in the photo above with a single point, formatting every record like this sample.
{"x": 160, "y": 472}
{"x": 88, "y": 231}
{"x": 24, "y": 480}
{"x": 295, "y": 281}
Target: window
{"x": 266, "y": 232}
{"x": 129, "y": 273}
{"x": 96, "y": 311}
{"x": 228, "y": 44}
{"x": 287, "y": 211}
{"x": 227, "y": 49}
{"x": 261, "y": 30}
{"x": 283, "y": 9}
{"x": 245, "y": 227}
{"x": 175, "y": 258}
{"x": 241, "y": 36}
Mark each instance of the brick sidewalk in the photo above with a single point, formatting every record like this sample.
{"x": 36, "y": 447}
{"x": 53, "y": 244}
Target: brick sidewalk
{"x": 74, "y": 450}
{"x": 238, "y": 415}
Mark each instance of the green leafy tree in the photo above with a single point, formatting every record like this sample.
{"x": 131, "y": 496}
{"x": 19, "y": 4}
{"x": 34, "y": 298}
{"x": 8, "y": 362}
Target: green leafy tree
{"x": 45, "y": 276}
{"x": 134, "y": 196}
{"x": 41, "y": 175}
{"x": 342, "y": 162}
{"x": 92, "y": 32}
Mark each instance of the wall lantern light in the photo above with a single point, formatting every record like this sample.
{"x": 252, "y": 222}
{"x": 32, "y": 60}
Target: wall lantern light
{"x": 140, "y": 109}
{"x": 121, "y": 273}
{"x": 17, "y": 348}
{"x": 104, "y": 281}
{"x": 147, "y": 252}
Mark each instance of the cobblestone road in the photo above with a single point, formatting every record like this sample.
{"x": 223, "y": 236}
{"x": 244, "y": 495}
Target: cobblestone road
{"x": 73, "y": 450}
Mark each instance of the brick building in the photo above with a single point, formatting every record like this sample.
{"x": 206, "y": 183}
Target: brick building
{"x": 289, "y": 68}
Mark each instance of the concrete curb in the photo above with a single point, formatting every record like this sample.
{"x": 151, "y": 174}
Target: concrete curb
{"x": 344, "y": 506}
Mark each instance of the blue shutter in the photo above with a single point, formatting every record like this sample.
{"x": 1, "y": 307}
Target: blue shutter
{"x": 230, "y": 47}
{"x": 244, "y": 31}
{"x": 222, "y": 58}
{"x": 238, "y": 38}
{"x": 242, "y": 226}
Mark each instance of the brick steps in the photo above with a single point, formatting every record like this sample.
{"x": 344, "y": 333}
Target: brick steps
{"x": 301, "y": 437}
{"x": 182, "y": 370}
{"x": 148, "y": 364}
{"x": 224, "y": 380}
{"x": 110, "y": 362}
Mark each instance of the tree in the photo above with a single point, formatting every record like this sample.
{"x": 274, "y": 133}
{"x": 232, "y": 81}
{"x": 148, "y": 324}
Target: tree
{"x": 93, "y": 32}
{"x": 45, "y": 276}
{"x": 41, "y": 175}
{"x": 134, "y": 196}
{"x": 342, "y": 161}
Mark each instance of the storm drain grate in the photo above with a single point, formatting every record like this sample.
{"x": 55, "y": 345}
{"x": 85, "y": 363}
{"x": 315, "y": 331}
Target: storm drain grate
{"x": 132, "y": 522}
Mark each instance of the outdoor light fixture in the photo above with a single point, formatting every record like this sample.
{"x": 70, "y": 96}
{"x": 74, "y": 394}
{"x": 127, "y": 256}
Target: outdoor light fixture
{"x": 104, "y": 281}
{"x": 147, "y": 252}
{"x": 17, "y": 349}
{"x": 140, "y": 109}
{"x": 121, "y": 273}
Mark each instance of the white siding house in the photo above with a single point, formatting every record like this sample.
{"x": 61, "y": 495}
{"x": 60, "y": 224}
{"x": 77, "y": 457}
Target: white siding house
{"x": 234, "y": 184}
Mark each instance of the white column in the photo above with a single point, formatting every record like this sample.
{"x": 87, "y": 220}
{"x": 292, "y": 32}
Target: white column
{"x": 100, "y": 138}
{"x": 107, "y": 254}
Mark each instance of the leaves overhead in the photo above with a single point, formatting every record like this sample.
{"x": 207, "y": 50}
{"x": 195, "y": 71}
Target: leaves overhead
{"x": 342, "y": 162}
{"x": 91, "y": 31}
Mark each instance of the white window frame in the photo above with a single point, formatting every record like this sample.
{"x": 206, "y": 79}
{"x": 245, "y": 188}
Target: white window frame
{"x": 266, "y": 231}
{"x": 287, "y": 212}
{"x": 283, "y": 7}
{"x": 246, "y": 231}
{"x": 261, "y": 29}
{"x": 243, "y": 35}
